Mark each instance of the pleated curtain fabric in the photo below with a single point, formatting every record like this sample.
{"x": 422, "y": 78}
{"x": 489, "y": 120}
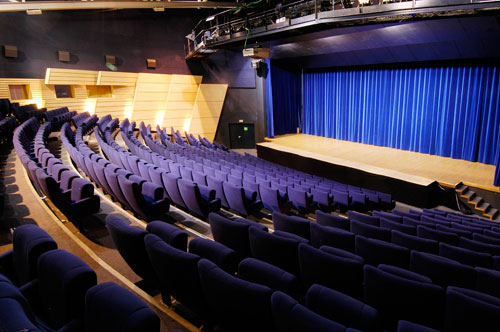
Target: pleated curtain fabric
{"x": 448, "y": 111}
{"x": 286, "y": 93}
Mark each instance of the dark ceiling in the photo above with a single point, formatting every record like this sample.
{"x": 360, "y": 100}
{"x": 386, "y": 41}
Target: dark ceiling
{"x": 426, "y": 40}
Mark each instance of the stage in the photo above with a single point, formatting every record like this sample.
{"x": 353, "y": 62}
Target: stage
{"x": 401, "y": 173}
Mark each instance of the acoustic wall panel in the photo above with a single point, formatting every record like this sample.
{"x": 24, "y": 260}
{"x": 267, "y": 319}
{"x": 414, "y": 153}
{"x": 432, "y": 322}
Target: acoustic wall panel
{"x": 116, "y": 78}
{"x": 207, "y": 109}
{"x": 178, "y": 101}
{"x": 70, "y": 76}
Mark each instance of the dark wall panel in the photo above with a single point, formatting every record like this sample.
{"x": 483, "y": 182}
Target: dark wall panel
{"x": 130, "y": 35}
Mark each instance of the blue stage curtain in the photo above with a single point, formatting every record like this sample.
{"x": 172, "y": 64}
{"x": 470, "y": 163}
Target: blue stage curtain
{"x": 269, "y": 102}
{"x": 448, "y": 111}
{"x": 286, "y": 99}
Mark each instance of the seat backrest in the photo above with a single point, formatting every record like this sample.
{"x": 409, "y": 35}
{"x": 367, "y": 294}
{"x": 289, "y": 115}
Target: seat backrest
{"x": 226, "y": 258}
{"x": 29, "y": 242}
{"x": 276, "y": 250}
{"x": 169, "y": 233}
{"x": 177, "y": 273}
{"x": 292, "y": 224}
{"x": 63, "y": 280}
{"x": 377, "y": 252}
{"x": 231, "y": 233}
{"x": 414, "y": 243}
{"x": 403, "y": 296}
{"x": 443, "y": 271}
{"x": 290, "y": 316}
{"x": 129, "y": 241}
{"x": 109, "y": 307}
{"x": 262, "y": 273}
{"x": 171, "y": 186}
{"x": 331, "y": 236}
{"x": 393, "y": 225}
{"x": 327, "y": 219}
{"x": 371, "y": 220}
{"x": 342, "y": 308}
{"x": 466, "y": 256}
{"x": 333, "y": 268}
{"x": 238, "y": 305}
{"x": 469, "y": 310}
{"x": 369, "y": 231}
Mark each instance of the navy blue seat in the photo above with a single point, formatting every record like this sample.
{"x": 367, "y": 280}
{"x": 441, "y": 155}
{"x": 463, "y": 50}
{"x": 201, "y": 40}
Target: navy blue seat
{"x": 291, "y": 224}
{"x": 236, "y": 304}
{"x": 240, "y": 200}
{"x": 290, "y": 316}
{"x": 491, "y": 249}
{"x": 225, "y": 258}
{"x": 63, "y": 280}
{"x": 414, "y": 243}
{"x": 377, "y": 252}
{"x": 469, "y": 310}
{"x": 19, "y": 264}
{"x": 129, "y": 241}
{"x": 342, "y": 308}
{"x": 442, "y": 271}
{"x": 301, "y": 200}
{"x": 405, "y": 326}
{"x": 392, "y": 225}
{"x": 259, "y": 272}
{"x": 331, "y": 267}
{"x": 273, "y": 200}
{"x": 369, "y": 231}
{"x": 400, "y": 294}
{"x": 169, "y": 233}
{"x": 330, "y": 236}
{"x": 487, "y": 281}
{"x": 465, "y": 256}
{"x": 200, "y": 200}
{"x": 327, "y": 219}
{"x": 276, "y": 250}
{"x": 371, "y": 220}
{"x": 177, "y": 273}
{"x": 233, "y": 233}
{"x": 440, "y": 236}
{"x": 389, "y": 216}
{"x": 109, "y": 307}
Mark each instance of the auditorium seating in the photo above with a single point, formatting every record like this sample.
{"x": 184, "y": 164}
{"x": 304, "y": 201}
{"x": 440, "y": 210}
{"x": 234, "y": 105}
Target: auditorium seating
{"x": 235, "y": 304}
{"x": 76, "y": 197}
{"x": 19, "y": 264}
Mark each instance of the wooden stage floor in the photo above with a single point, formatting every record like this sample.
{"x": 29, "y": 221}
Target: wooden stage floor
{"x": 414, "y": 167}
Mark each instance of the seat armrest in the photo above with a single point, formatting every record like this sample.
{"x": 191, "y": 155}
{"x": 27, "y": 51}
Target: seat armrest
{"x": 153, "y": 191}
{"x": 207, "y": 193}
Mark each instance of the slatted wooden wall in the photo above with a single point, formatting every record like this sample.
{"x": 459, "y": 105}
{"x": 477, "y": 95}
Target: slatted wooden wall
{"x": 179, "y": 101}
{"x": 207, "y": 109}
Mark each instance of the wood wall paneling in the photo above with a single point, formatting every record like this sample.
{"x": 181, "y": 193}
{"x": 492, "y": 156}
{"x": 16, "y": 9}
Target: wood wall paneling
{"x": 179, "y": 101}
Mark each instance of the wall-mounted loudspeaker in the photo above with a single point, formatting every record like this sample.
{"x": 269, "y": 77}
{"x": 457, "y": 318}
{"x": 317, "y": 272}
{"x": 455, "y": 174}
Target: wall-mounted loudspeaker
{"x": 63, "y": 56}
{"x": 10, "y": 51}
{"x": 151, "y": 63}
{"x": 110, "y": 59}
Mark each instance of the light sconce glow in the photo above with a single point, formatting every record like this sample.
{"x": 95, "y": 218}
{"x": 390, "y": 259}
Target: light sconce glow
{"x": 90, "y": 105}
{"x": 187, "y": 124}
{"x": 210, "y": 18}
{"x": 159, "y": 119}
{"x": 39, "y": 103}
{"x": 129, "y": 110}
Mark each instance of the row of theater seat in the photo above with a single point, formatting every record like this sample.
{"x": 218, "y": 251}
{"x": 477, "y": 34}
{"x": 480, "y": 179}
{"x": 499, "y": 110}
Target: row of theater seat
{"x": 7, "y": 126}
{"x": 343, "y": 270}
{"x": 144, "y": 198}
{"x": 196, "y": 167}
{"x": 43, "y": 288}
{"x": 72, "y": 194}
{"x": 226, "y": 288}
